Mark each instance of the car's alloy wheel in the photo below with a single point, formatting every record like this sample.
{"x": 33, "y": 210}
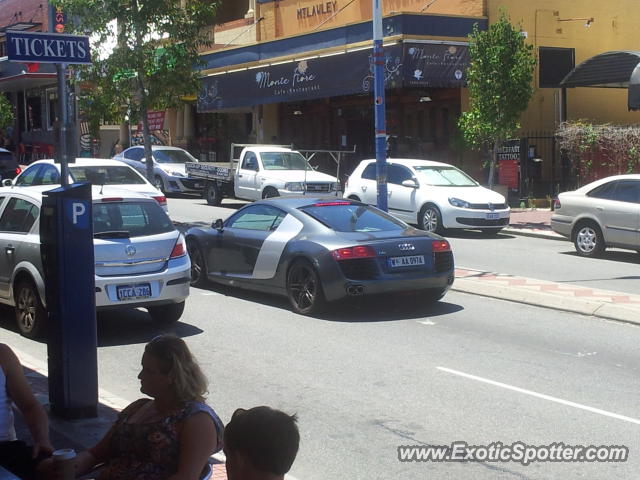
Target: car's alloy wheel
{"x": 166, "y": 314}
{"x": 198, "y": 266}
{"x": 304, "y": 289}
{"x": 431, "y": 219}
{"x": 588, "y": 240}
{"x": 30, "y": 314}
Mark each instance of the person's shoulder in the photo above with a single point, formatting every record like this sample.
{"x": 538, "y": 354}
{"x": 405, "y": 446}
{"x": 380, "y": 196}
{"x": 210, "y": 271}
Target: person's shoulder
{"x": 7, "y": 356}
{"x": 133, "y": 407}
{"x": 195, "y": 407}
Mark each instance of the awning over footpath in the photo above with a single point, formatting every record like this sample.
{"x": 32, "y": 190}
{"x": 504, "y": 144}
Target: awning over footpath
{"x": 619, "y": 69}
{"x": 421, "y": 64}
{"x": 17, "y": 76}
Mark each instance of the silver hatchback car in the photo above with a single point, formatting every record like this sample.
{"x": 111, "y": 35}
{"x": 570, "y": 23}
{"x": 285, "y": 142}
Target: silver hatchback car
{"x": 156, "y": 276}
{"x": 604, "y": 213}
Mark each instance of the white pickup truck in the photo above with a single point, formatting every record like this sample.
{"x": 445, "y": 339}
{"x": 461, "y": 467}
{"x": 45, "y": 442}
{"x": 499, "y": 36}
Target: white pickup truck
{"x": 260, "y": 171}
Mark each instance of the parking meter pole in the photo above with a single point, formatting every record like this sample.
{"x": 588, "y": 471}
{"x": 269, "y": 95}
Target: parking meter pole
{"x": 66, "y": 237}
{"x": 63, "y": 139}
{"x": 379, "y": 96}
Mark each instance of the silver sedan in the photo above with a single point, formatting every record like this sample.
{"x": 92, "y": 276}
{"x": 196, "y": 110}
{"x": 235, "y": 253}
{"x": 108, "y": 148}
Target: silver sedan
{"x": 605, "y": 213}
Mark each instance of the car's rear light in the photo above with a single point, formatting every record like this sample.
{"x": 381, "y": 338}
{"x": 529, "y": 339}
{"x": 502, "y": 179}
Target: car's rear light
{"x": 179, "y": 249}
{"x": 18, "y": 171}
{"x": 361, "y": 251}
{"x": 112, "y": 199}
{"x": 441, "y": 246}
{"x": 556, "y": 204}
{"x": 161, "y": 199}
{"x": 330, "y": 204}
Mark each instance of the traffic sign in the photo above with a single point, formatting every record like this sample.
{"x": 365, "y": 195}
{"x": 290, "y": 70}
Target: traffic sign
{"x": 47, "y": 48}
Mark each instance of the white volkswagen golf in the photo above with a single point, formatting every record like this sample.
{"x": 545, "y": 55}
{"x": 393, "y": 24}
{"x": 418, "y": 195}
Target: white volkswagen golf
{"x": 435, "y": 196}
{"x": 140, "y": 257}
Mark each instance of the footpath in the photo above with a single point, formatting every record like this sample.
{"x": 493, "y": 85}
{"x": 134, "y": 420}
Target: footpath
{"x": 81, "y": 434}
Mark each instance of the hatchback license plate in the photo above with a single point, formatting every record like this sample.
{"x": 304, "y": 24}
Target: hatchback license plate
{"x": 133, "y": 292}
{"x": 406, "y": 261}
{"x": 493, "y": 216}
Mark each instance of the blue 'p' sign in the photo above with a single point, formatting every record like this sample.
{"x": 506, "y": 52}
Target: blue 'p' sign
{"x": 77, "y": 212}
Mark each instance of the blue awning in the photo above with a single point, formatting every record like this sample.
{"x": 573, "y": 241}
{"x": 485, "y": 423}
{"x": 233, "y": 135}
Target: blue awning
{"x": 409, "y": 64}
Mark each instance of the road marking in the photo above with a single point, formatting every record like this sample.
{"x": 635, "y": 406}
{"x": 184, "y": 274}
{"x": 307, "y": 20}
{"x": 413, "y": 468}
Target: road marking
{"x": 426, "y": 322}
{"x": 541, "y": 395}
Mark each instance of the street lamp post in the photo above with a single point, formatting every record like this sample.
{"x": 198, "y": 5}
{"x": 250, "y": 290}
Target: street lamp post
{"x": 380, "y": 120}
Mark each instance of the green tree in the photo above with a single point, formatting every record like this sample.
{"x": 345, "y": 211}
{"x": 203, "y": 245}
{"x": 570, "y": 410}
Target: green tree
{"x": 500, "y": 83}
{"x": 152, "y": 63}
{"x": 6, "y": 113}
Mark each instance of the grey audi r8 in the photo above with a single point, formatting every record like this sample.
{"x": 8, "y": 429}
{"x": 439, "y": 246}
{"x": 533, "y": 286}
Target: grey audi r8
{"x": 315, "y": 250}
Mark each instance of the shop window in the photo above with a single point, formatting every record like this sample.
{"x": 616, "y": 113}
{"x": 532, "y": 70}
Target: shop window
{"x": 52, "y": 108}
{"x": 445, "y": 125}
{"x": 34, "y": 112}
{"x": 433, "y": 124}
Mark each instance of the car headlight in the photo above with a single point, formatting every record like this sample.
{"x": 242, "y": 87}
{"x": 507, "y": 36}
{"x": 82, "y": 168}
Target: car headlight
{"x": 456, "y": 202}
{"x": 333, "y": 187}
{"x": 294, "y": 186}
{"x": 173, "y": 173}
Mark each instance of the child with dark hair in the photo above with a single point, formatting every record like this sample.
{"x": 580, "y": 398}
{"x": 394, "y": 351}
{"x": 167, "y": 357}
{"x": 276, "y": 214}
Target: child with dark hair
{"x": 260, "y": 444}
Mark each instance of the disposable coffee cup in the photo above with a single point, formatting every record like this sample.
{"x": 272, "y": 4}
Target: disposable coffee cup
{"x": 64, "y": 463}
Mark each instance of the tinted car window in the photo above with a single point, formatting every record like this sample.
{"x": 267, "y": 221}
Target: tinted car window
{"x": 107, "y": 175}
{"x": 134, "y": 153}
{"x": 603, "y": 191}
{"x": 250, "y": 162}
{"x": 137, "y": 218}
{"x": 18, "y": 216}
{"x": 48, "y": 175}
{"x": 7, "y": 161}
{"x": 29, "y": 176}
{"x": 398, "y": 174}
{"x": 172, "y": 156}
{"x": 369, "y": 173}
{"x": 627, "y": 191}
{"x": 257, "y": 217}
{"x": 353, "y": 218}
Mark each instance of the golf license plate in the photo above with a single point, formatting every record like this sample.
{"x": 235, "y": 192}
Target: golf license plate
{"x": 410, "y": 261}
{"x": 493, "y": 216}
{"x": 133, "y": 292}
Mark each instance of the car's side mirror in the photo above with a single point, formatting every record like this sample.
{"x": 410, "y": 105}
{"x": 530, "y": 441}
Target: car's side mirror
{"x": 411, "y": 183}
{"x": 218, "y": 225}
{"x": 7, "y": 182}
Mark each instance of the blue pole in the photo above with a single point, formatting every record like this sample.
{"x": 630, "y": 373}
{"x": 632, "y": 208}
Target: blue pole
{"x": 380, "y": 123}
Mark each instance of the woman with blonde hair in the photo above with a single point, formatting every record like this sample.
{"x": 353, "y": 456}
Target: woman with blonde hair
{"x": 168, "y": 436}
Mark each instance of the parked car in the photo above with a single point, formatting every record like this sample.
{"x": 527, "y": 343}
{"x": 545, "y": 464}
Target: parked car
{"x": 169, "y": 174}
{"x": 140, "y": 258}
{"x": 315, "y": 250}
{"x": 9, "y": 167}
{"x": 94, "y": 170}
{"x": 435, "y": 196}
{"x": 604, "y": 213}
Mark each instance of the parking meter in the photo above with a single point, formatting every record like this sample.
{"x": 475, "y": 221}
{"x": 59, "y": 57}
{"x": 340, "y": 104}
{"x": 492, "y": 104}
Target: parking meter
{"x": 66, "y": 236}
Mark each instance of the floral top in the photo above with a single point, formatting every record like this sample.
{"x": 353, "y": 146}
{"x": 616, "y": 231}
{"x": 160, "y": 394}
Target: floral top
{"x": 149, "y": 451}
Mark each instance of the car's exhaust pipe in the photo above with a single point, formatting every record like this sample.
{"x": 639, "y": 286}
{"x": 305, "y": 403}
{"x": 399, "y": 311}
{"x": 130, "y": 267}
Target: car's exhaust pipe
{"x": 355, "y": 289}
